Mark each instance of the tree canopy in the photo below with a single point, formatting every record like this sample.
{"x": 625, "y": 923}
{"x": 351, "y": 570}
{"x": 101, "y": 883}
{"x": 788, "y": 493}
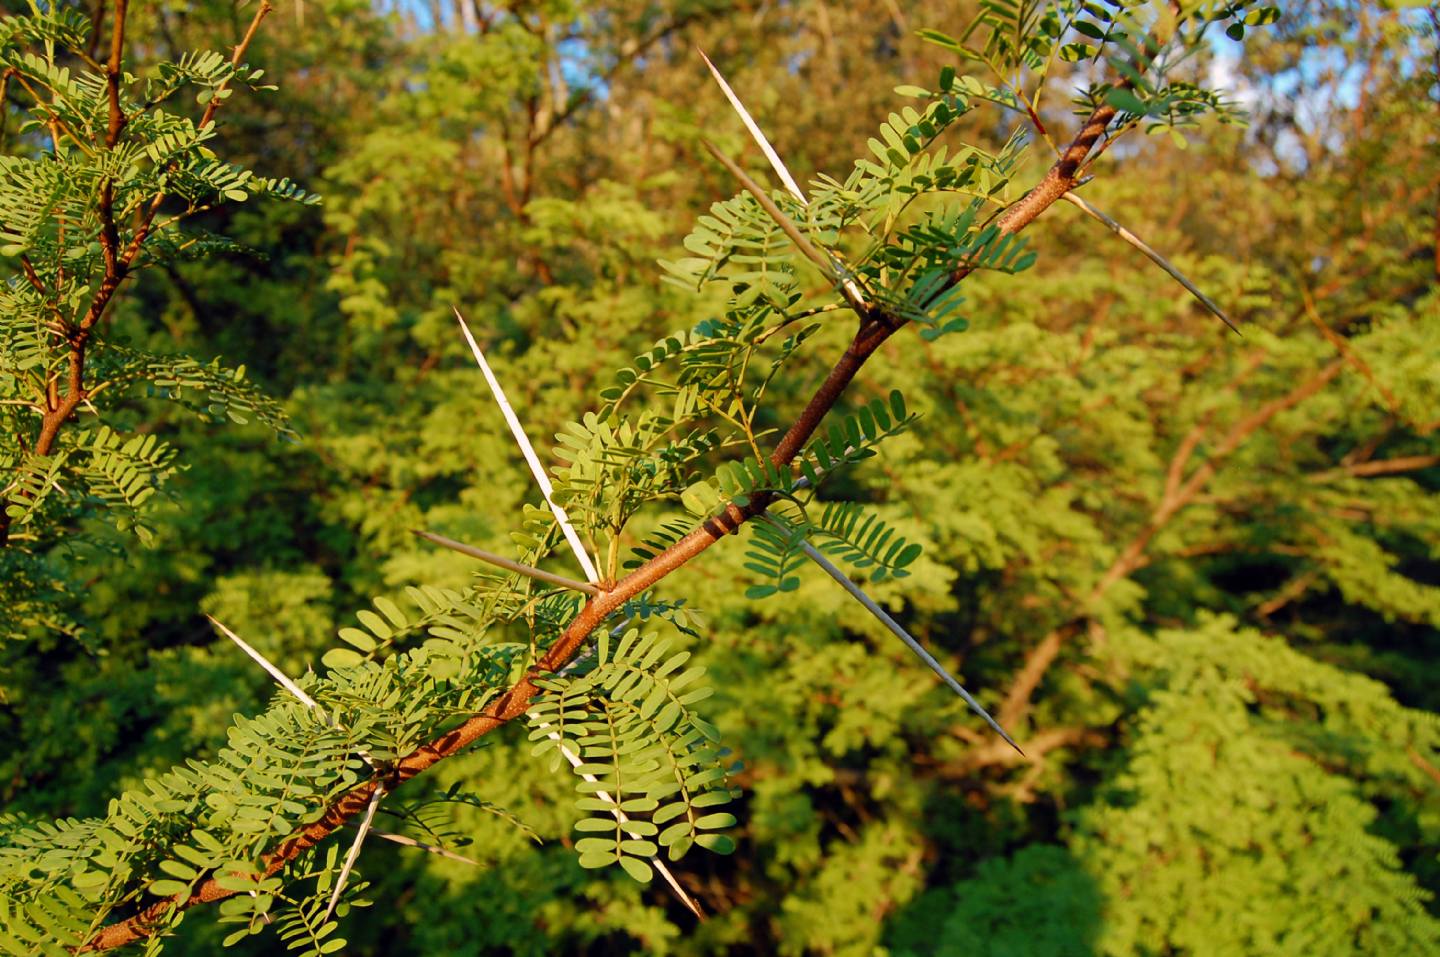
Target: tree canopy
{"x": 933, "y": 351}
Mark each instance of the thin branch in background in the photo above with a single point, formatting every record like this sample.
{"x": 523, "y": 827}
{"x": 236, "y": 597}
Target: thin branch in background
{"x": 353, "y": 853}
{"x": 526, "y": 449}
{"x": 1153, "y": 256}
{"x": 507, "y": 564}
{"x": 1404, "y": 463}
{"x": 1343, "y": 347}
{"x": 815, "y": 555}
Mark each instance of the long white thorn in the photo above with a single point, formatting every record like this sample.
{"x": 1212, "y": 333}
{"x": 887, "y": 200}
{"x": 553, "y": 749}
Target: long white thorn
{"x": 778, "y": 165}
{"x": 620, "y": 816}
{"x": 1153, "y": 256}
{"x": 755, "y": 132}
{"x": 528, "y": 450}
{"x": 429, "y": 848}
{"x": 582, "y": 556}
{"x": 280, "y": 677}
{"x": 354, "y": 852}
{"x": 284, "y": 681}
{"x": 898, "y": 631}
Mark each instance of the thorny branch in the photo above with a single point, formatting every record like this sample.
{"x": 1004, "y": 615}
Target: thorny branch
{"x": 872, "y": 333}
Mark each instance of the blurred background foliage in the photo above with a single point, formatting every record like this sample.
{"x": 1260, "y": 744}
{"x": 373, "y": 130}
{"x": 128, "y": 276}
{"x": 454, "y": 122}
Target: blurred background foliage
{"x": 1197, "y": 575}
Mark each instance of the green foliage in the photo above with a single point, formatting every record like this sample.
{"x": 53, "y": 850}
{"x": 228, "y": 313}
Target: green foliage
{"x": 865, "y": 541}
{"x": 775, "y": 554}
{"x": 123, "y": 475}
{"x": 651, "y": 771}
{"x": 1037, "y": 901}
{"x": 1205, "y": 738}
{"x": 1287, "y": 806}
{"x": 101, "y": 177}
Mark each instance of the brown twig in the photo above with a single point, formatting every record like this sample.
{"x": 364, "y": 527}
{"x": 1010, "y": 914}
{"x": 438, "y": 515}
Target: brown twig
{"x": 1343, "y": 347}
{"x": 116, "y": 263}
{"x": 1418, "y": 759}
{"x": 1293, "y": 589}
{"x": 1404, "y": 463}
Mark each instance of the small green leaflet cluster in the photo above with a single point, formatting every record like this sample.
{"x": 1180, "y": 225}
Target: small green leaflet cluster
{"x": 931, "y": 253}
{"x": 776, "y": 553}
{"x": 123, "y": 473}
{"x": 431, "y": 818}
{"x": 651, "y": 770}
{"x": 845, "y": 531}
{"x": 739, "y": 243}
{"x": 614, "y": 470}
{"x": 100, "y": 468}
{"x": 677, "y": 612}
{"x": 446, "y": 615}
{"x": 67, "y": 27}
{"x": 705, "y": 370}
{"x": 208, "y": 389}
{"x": 306, "y": 925}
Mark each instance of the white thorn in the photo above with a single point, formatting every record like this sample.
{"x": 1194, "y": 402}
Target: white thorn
{"x": 284, "y": 681}
{"x": 1153, "y": 256}
{"x": 526, "y": 449}
{"x": 604, "y": 796}
{"x": 431, "y": 848}
{"x": 622, "y": 818}
{"x": 899, "y": 632}
{"x": 279, "y": 676}
{"x": 778, "y": 165}
{"x": 354, "y": 852}
{"x": 775, "y": 162}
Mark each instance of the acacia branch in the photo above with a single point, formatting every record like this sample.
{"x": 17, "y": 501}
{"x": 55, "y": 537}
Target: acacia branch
{"x": 872, "y": 334}
{"x": 116, "y": 263}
